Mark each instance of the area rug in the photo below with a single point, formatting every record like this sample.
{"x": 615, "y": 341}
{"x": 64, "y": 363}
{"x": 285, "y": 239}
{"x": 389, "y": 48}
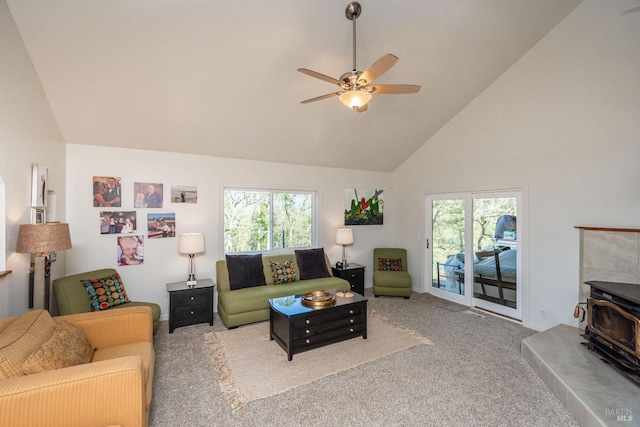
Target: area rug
{"x": 250, "y": 366}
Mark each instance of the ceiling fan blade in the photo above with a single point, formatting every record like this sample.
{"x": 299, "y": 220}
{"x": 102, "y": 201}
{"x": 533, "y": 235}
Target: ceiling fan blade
{"x": 319, "y": 76}
{"x": 363, "y": 108}
{"x": 378, "y": 68}
{"x": 395, "y": 89}
{"x": 320, "y": 98}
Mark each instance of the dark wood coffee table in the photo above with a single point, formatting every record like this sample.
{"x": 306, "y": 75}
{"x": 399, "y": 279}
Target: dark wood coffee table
{"x": 299, "y": 328}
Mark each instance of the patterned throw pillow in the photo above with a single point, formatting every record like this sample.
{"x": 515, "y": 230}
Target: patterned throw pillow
{"x": 390, "y": 264}
{"x": 106, "y": 292}
{"x": 282, "y": 272}
{"x": 68, "y": 346}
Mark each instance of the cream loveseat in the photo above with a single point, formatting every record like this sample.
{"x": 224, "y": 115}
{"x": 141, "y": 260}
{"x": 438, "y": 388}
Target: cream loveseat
{"x": 113, "y": 388}
{"x": 263, "y": 276}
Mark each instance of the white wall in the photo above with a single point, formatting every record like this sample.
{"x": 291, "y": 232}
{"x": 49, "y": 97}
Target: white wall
{"x": 563, "y": 124}
{"x": 210, "y": 175}
{"x": 28, "y": 134}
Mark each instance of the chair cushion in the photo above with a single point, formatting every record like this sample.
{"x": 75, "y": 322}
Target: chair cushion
{"x": 390, "y": 264}
{"x": 311, "y": 263}
{"x": 106, "y": 292}
{"x": 282, "y": 272}
{"x": 68, "y": 346}
{"x": 21, "y": 338}
{"x": 245, "y": 271}
{"x": 392, "y": 279}
{"x": 143, "y": 349}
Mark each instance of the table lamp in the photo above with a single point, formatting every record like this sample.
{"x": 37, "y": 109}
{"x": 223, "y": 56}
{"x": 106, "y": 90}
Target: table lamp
{"x": 191, "y": 244}
{"x": 41, "y": 240}
{"x": 344, "y": 237}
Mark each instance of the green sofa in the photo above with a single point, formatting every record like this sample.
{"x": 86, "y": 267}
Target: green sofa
{"x": 248, "y": 305}
{"x": 72, "y": 297}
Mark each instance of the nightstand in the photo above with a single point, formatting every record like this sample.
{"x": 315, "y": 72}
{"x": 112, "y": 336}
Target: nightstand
{"x": 190, "y": 305}
{"x": 354, "y": 274}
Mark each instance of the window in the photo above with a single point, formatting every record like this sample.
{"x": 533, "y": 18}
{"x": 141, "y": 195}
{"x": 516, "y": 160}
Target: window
{"x": 259, "y": 220}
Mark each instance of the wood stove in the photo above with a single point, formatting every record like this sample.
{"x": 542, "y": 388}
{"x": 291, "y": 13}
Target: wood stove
{"x": 613, "y": 328}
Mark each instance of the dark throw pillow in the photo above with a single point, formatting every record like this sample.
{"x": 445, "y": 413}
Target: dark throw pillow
{"x": 390, "y": 264}
{"x": 311, "y": 264}
{"x": 245, "y": 271}
{"x": 282, "y": 272}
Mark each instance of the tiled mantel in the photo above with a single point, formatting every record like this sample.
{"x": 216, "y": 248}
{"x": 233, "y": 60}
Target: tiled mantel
{"x": 609, "y": 255}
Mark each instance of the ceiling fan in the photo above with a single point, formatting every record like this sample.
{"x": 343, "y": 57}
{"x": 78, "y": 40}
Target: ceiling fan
{"x": 356, "y": 86}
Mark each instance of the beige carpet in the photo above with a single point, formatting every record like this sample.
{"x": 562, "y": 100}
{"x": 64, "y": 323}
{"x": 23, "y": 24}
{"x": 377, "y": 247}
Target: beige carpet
{"x": 249, "y": 366}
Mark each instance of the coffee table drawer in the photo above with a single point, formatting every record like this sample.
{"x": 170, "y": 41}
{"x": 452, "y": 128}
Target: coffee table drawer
{"x": 322, "y": 316}
{"x": 323, "y": 327}
{"x": 329, "y": 336}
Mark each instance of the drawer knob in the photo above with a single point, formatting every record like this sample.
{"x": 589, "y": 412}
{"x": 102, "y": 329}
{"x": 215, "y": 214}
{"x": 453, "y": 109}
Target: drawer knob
{"x": 307, "y": 341}
{"x": 191, "y": 312}
{"x": 350, "y": 311}
{"x": 191, "y": 298}
{"x": 350, "y": 329}
{"x": 307, "y": 321}
{"x": 307, "y": 331}
{"x": 351, "y": 320}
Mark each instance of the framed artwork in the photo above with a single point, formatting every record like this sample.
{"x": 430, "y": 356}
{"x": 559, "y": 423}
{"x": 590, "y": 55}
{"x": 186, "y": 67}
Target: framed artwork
{"x": 161, "y": 225}
{"x": 130, "y": 250}
{"x": 147, "y": 195}
{"x": 363, "y": 207}
{"x": 39, "y": 177}
{"x": 38, "y": 216}
{"x": 120, "y": 222}
{"x": 184, "y": 194}
{"x": 107, "y": 191}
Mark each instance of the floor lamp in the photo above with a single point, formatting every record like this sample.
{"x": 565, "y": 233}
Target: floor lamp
{"x": 41, "y": 240}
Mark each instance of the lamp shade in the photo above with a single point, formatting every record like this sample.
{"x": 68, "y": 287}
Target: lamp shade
{"x": 41, "y": 238}
{"x": 191, "y": 243}
{"x": 355, "y": 98}
{"x": 344, "y": 236}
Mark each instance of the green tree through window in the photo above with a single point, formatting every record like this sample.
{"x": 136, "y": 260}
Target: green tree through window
{"x": 258, "y": 220}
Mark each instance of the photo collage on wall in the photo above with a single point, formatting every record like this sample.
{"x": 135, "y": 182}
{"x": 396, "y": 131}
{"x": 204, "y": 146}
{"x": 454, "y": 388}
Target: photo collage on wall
{"x": 107, "y": 194}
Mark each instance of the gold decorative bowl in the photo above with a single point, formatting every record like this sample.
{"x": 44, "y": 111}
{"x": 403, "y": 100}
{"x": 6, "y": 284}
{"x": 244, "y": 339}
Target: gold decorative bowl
{"x": 318, "y": 299}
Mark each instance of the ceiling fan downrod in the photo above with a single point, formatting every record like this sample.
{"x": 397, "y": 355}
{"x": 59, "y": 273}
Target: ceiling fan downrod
{"x": 352, "y": 12}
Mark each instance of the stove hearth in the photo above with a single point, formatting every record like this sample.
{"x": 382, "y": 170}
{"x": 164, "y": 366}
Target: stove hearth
{"x": 613, "y": 328}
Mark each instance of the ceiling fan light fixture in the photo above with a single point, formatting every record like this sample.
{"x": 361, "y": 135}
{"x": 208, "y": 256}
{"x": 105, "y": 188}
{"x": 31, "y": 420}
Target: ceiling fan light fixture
{"x": 355, "y": 99}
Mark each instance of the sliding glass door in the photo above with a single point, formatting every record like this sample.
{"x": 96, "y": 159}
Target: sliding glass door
{"x": 472, "y": 250}
{"x": 447, "y": 247}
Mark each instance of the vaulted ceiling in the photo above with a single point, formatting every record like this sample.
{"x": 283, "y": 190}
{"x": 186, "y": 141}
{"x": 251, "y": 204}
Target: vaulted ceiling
{"x": 219, "y": 78}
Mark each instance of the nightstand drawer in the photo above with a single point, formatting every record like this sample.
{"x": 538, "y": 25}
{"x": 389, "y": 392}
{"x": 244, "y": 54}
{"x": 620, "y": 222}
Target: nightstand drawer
{"x": 192, "y": 313}
{"x": 354, "y": 276}
{"x": 192, "y": 297}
